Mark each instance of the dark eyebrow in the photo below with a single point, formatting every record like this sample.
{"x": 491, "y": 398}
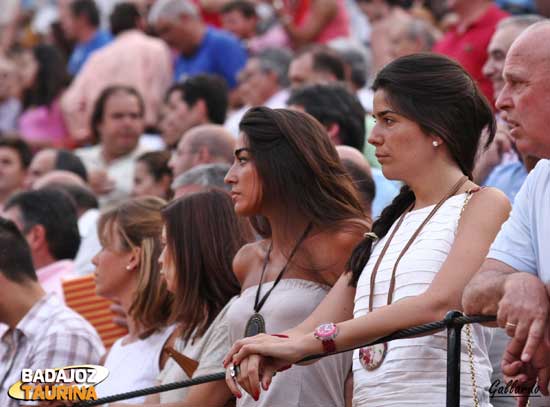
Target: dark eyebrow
{"x": 240, "y": 150}
{"x": 384, "y": 112}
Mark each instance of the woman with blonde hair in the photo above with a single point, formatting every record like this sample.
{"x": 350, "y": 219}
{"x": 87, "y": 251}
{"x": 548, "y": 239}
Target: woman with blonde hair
{"x": 127, "y": 271}
{"x": 201, "y": 235}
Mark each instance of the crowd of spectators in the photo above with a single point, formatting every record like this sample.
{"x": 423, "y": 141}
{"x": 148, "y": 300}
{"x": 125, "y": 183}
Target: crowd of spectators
{"x": 122, "y": 123}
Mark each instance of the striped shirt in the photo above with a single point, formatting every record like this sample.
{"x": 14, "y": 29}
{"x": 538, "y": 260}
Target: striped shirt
{"x": 50, "y": 335}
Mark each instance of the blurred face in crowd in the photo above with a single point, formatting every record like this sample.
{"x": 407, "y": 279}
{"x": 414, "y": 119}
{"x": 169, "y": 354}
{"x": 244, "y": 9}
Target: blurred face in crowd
{"x": 122, "y": 124}
{"x": 42, "y": 163}
{"x": 256, "y": 85}
{"x": 177, "y": 32}
{"x": 145, "y": 183}
{"x": 168, "y": 270}
{"x": 235, "y": 22}
{"x": 27, "y": 68}
{"x": 401, "y": 43}
{"x": 525, "y": 98}
{"x": 183, "y": 158}
{"x": 301, "y": 72}
{"x": 12, "y": 172}
{"x": 246, "y": 186}
{"x": 114, "y": 266}
{"x": 66, "y": 17}
{"x": 498, "y": 48}
{"x": 168, "y": 128}
{"x": 183, "y": 117}
{"x": 400, "y": 143}
{"x": 8, "y": 78}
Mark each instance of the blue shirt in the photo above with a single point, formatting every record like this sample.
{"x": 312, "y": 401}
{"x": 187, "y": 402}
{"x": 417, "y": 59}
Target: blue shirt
{"x": 508, "y": 178}
{"x": 83, "y": 50}
{"x": 524, "y": 240}
{"x": 219, "y": 53}
{"x": 522, "y": 6}
{"x": 386, "y": 190}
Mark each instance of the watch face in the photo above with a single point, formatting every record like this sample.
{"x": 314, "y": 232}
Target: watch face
{"x": 326, "y": 330}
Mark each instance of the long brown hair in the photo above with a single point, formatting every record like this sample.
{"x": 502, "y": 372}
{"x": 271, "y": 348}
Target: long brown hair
{"x": 443, "y": 99}
{"x": 138, "y": 223}
{"x": 299, "y": 168}
{"x": 203, "y": 234}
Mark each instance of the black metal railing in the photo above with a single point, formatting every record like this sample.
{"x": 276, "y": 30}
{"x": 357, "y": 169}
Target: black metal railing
{"x": 454, "y": 321}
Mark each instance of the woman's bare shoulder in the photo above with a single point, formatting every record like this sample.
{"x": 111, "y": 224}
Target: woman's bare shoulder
{"x": 486, "y": 201}
{"x": 485, "y": 210}
{"x": 247, "y": 258}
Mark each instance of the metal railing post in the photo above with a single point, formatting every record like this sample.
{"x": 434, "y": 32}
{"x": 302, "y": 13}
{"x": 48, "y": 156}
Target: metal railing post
{"x": 453, "y": 359}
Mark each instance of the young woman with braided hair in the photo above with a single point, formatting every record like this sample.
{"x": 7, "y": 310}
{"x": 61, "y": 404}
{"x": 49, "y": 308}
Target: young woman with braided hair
{"x": 412, "y": 268}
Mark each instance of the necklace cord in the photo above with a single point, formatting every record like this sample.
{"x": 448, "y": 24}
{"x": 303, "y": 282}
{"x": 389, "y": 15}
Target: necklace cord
{"x": 258, "y": 304}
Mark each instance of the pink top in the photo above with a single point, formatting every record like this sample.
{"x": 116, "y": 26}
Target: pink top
{"x": 44, "y": 124}
{"x": 132, "y": 59}
{"x": 52, "y": 275}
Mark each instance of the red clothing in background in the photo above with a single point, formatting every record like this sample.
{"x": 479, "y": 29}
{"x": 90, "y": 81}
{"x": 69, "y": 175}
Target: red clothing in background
{"x": 470, "y": 47}
{"x": 212, "y": 18}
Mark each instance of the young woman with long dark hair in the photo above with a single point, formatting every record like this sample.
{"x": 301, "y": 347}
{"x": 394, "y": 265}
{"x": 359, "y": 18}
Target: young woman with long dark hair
{"x": 288, "y": 179}
{"x": 423, "y": 249}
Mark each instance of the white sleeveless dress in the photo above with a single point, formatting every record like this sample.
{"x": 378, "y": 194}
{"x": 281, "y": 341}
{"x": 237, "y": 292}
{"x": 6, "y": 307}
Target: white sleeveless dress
{"x": 134, "y": 366}
{"x": 414, "y": 370}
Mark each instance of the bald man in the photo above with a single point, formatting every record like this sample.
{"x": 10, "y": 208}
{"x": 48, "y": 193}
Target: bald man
{"x": 376, "y": 196}
{"x": 205, "y": 144}
{"x": 513, "y": 282}
{"x": 360, "y": 172}
{"x": 347, "y": 153}
{"x": 61, "y": 177}
{"x": 51, "y": 159}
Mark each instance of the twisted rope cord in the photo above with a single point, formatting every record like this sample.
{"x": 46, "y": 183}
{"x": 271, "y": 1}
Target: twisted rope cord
{"x": 404, "y": 333}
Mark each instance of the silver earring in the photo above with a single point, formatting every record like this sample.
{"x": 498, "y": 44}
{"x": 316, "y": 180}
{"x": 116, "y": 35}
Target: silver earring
{"x": 435, "y": 144}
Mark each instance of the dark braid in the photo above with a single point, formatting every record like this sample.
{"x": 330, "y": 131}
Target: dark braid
{"x": 380, "y": 227}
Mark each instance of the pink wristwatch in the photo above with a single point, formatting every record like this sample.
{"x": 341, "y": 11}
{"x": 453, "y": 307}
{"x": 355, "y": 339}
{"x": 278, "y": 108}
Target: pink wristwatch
{"x": 326, "y": 334}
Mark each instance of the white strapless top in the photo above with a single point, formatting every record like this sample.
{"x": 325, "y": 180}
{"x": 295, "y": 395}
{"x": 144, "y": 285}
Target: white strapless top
{"x": 320, "y": 384}
{"x": 414, "y": 370}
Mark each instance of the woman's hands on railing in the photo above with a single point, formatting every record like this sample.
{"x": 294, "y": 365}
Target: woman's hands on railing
{"x": 258, "y": 359}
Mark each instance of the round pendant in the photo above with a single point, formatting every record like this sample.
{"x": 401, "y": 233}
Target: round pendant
{"x": 255, "y": 325}
{"x": 372, "y": 357}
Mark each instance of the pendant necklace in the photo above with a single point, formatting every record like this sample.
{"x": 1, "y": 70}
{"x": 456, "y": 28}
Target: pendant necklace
{"x": 256, "y": 323}
{"x": 371, "y": 357}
